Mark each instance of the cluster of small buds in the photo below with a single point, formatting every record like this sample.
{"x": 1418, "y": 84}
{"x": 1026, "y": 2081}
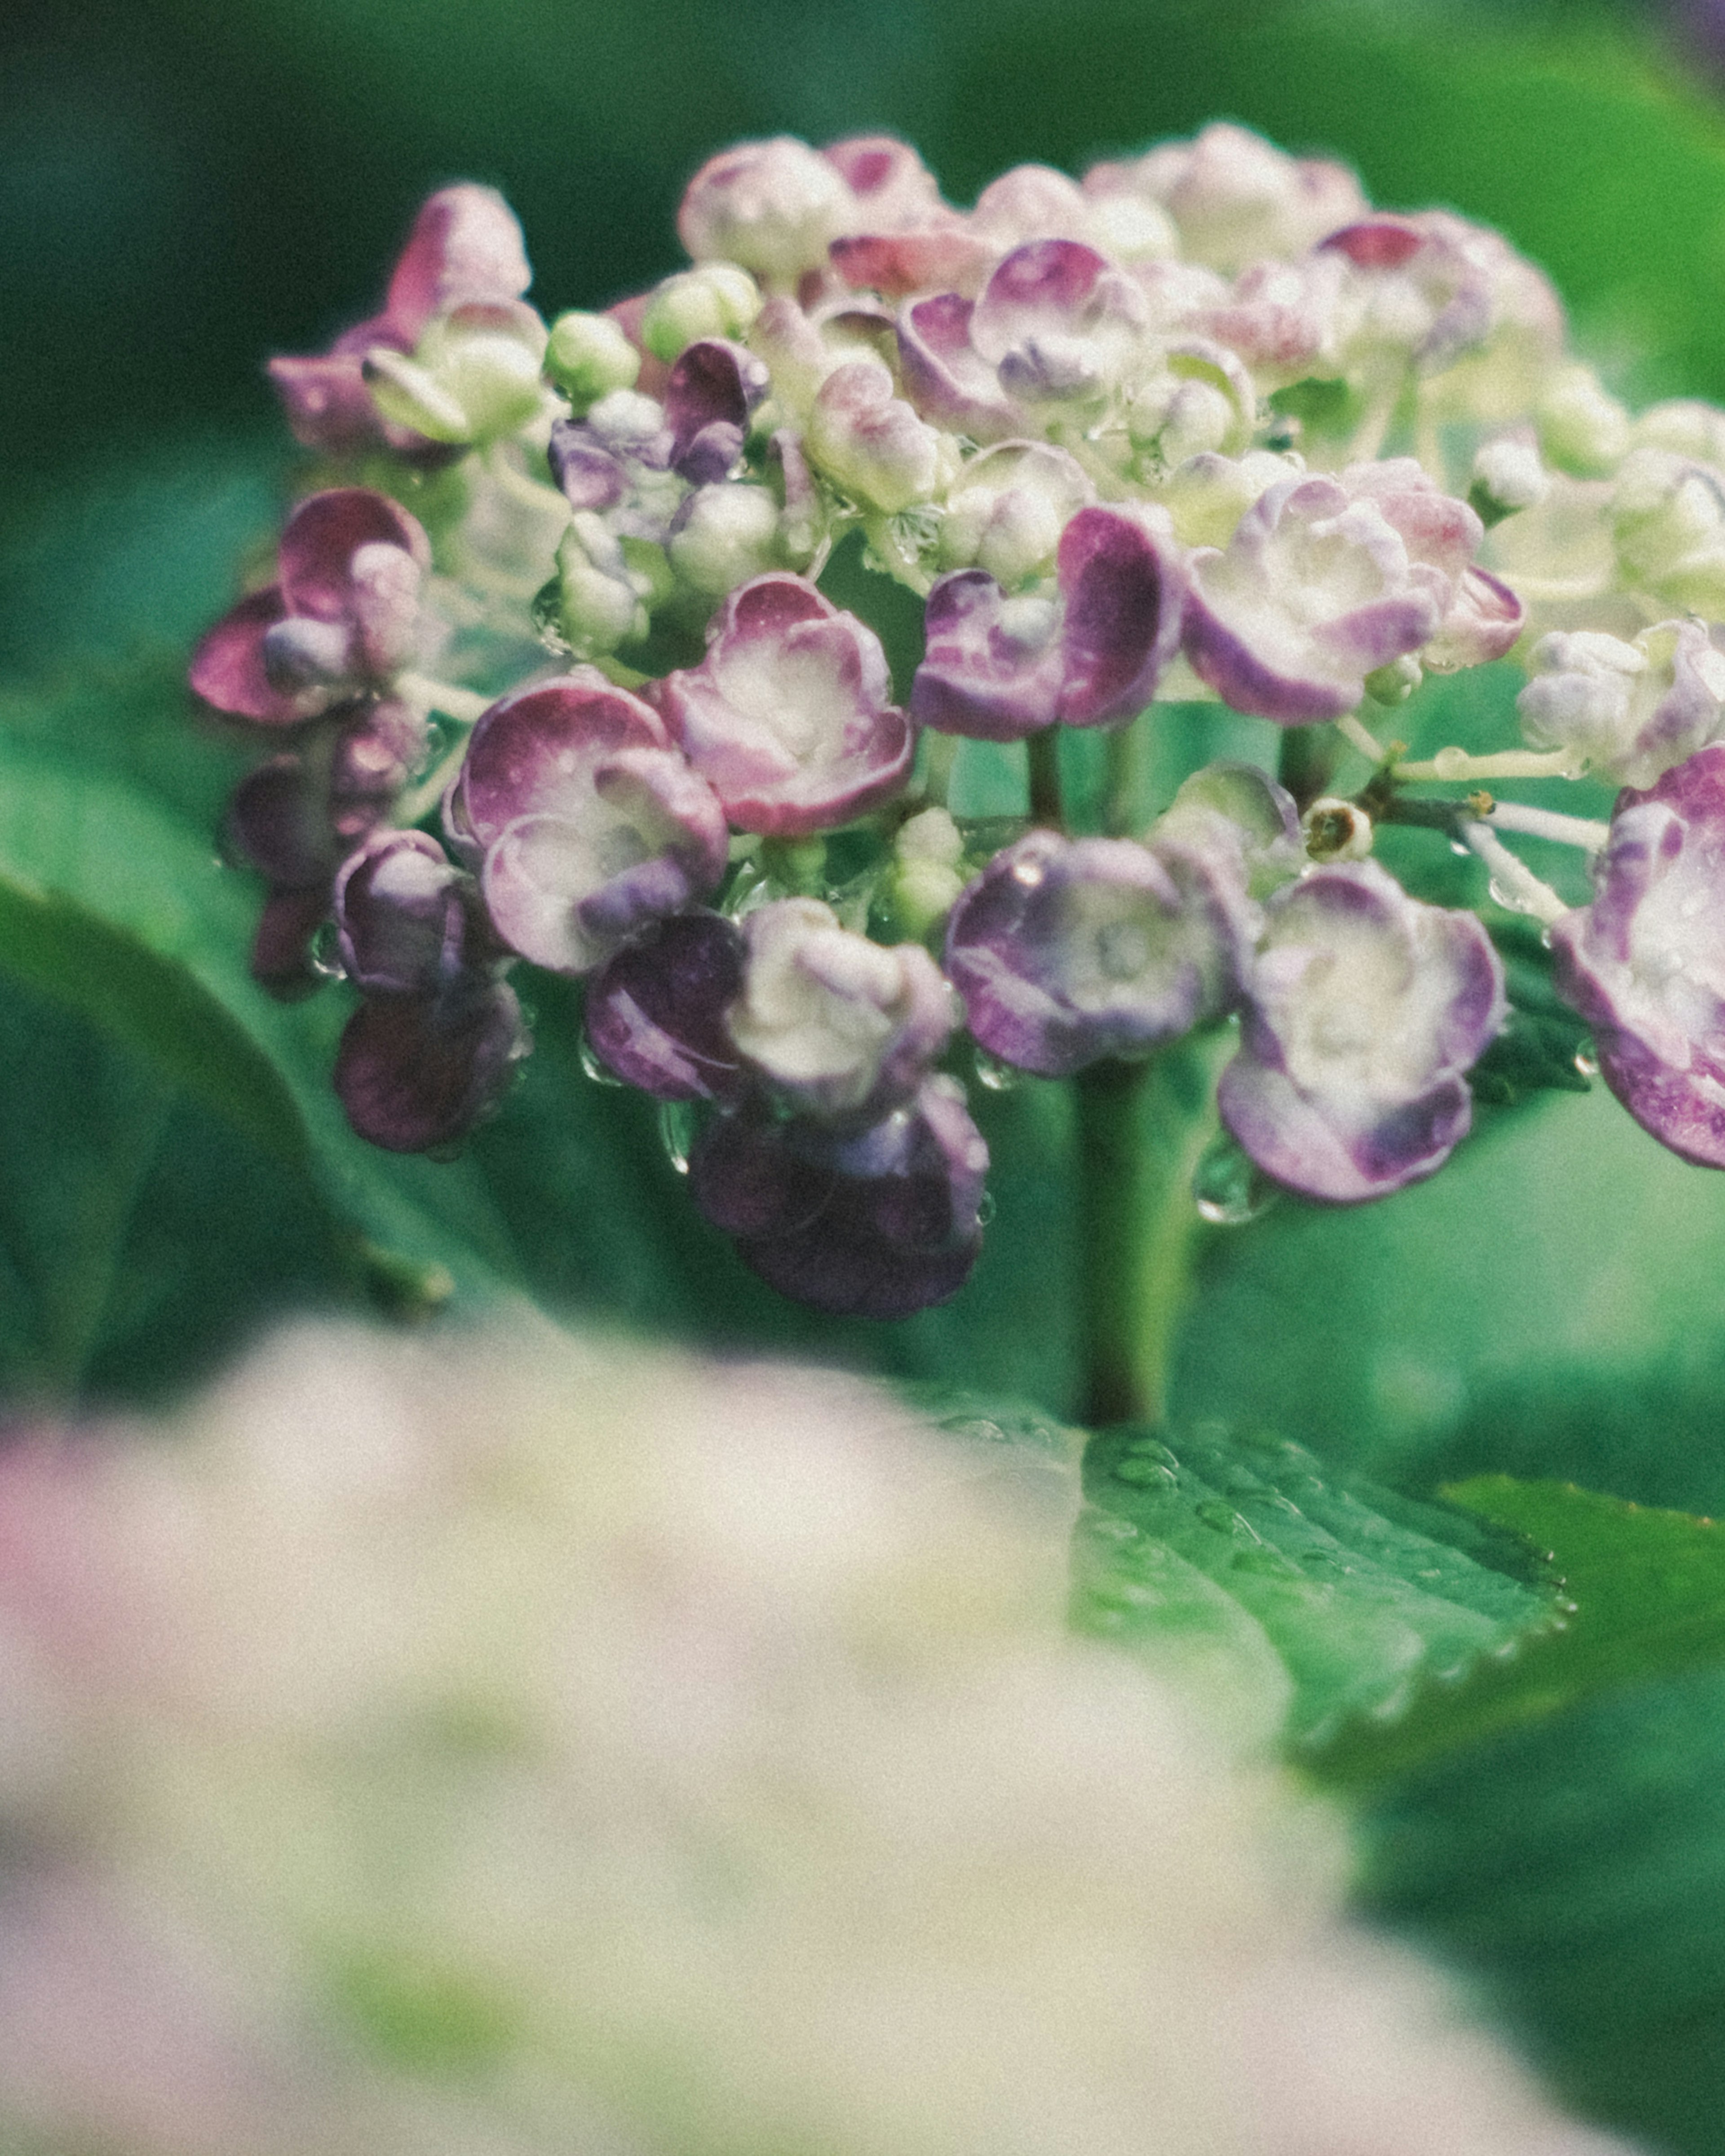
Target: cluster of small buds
{"x": 1201, "y": 426}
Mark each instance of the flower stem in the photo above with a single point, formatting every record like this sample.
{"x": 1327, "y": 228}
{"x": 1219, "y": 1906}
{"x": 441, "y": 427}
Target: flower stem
{"x": 1046, "y": 808}
{"x": 1141, "y": 1127}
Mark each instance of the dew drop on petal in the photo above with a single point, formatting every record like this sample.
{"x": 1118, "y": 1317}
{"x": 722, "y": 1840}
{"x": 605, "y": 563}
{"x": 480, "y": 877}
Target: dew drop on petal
{"x": 996, "y": 1076}
{"x": 1228, "y": 1188}
{"x": 676, "y": 1132}
{"x": 985, "y": 1209}
{"x": 1587, "y": 1062}
{"x": 600, "y": 1073}
{"x": 325, "y": 953}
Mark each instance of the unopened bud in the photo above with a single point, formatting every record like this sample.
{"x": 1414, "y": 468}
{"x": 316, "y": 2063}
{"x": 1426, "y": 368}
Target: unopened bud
{"x": 1583, "y": 429}
{"x": 717, "y": 300}
{"x": 927, "y": 877}
{"x": 727, "y": 534}
{"x": 408, "y": 395}
{"x": 1337, "y": 830}
{"x": 587, "y": 355}
{"x": 1507, "y": 475}
{"x": 1396, "y": 682}
{"x": 602, "y": 601}
{"x": 493, "y": 374}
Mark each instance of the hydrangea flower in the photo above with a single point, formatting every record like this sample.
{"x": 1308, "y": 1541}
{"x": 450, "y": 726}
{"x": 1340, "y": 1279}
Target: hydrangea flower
{"x": 466, "y": 249}
{"x": 788, "y": 717}
{"x": 998, "y": 668}
{"x": 1631, "y": 710}
{"x": 840, "y": 1028}
{"x": 438, "y": 1032}
{"x": 1325, "y": 581}
{"x": 1364, "y": 1010}
{"x": 1065, "y": 951}
{"x": 585, "y": 822}
{"x": 340, "y": 621}
{"x": 875, "y": 1223}
{"x": 1645, "y": 963}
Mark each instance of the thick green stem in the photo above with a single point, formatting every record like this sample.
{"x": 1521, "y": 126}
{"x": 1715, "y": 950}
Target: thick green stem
{"x": 1046, "y": 807}
{"x": 1141, "y": 1127}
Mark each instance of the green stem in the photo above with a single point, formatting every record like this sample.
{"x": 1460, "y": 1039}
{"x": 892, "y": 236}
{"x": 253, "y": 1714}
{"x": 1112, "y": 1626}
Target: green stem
{"x": 1127, "y": 750}
{"x": 1141, "y": 1127}
{"x": 1046, "y": 807}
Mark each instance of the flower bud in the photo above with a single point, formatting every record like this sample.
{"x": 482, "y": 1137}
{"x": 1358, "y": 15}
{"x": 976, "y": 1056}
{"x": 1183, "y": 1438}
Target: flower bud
{"x": 840, "y": 1027}
{"x": 1007, "y": 509}
{"x": 771, "y": 207}
{"x": 870, "y": 442}
{"x": 1633, "y": 710}
{"x": 1668, "y": 525}
{"x": 602, "y": 600}
{"x": 1207, "y": 495}
{"x": 1337, "y": 830}
{"x": 1583, "y": 430}
{"x": 1507, "y": 475}
{"x": 724, "y": 535}
{"x": 717, "y": 300}
{"x": 926, "y": 878}
{"x": 588, "y": 356}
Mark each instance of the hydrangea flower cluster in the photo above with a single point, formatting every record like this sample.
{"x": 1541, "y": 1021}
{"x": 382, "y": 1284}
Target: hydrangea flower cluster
{"x": 549, "y": 676}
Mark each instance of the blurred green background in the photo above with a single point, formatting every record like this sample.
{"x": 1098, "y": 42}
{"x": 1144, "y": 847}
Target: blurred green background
{"x": 188, "y": 185}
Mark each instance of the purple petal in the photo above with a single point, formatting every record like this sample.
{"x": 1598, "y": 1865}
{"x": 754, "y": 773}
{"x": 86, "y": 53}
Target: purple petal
{"x": 279, "y": 818}
{"x": 1123, "y": 590}
{"x": 534, "y": 750}
{"x": 655, "y": 1013}
{"x": 946, "y": 379}
{"x": 589, "y": 475}
{"x": 413, "y": 1072}
{"x": 1294, "y": 1139}
{"x": 281, "y": 948}
{"x": 327, "y": 402}
{"x": 1484, "y": 621}
{"x": 466, "y": 249}
{"x": 322, "y": 537}
{"x": 712, "y": 381}
{"x": 940, "y": 256}
{"x": 227, "y": 670}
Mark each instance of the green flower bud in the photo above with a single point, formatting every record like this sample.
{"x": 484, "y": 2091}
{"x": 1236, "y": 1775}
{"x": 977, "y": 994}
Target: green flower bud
{"x": 729, "y": 534}
{"x": 603, "y": 596}
{"x": 587, "y": 355}
{"x": 1583, "y": 430}
{"x": 717, "y": 300}
{"x": 409, "y": 395}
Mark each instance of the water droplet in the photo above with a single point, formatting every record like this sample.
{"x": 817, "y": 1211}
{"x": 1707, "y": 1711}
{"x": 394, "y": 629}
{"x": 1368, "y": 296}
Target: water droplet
{"x": 1144, "y": 1474}
{"x": 1227, "y": 1186}
{"x": 548, "y": 617}
{"x": 324, "y": 951}
{"x": 1499, "y": 897}
{"x": 600, "y": 1073}
{"x": 1027, "y": 873}
{"x": 985, "y": 1209}
{"x": 1587, "y": 1061}
{"x": 1457, "y": 847}
{"x": 676, "y": 1132}
{"x": 432, "y": 750}
{"x": 997, "y": 1076}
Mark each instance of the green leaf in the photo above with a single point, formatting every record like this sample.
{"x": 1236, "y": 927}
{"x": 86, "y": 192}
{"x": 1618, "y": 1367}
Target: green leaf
{"x": 1544, "y": 1047}
{"x": 1641, "y": 1595}
{"x": 1242, "y": 1551}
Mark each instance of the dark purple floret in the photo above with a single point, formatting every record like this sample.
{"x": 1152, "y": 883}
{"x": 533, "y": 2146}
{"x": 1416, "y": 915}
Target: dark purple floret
{"x": 414, "y": 1072}
{"x": 435, "y": 1041}
{"x": 655, "y": 1013}
{"x": 875, "y": 1225}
